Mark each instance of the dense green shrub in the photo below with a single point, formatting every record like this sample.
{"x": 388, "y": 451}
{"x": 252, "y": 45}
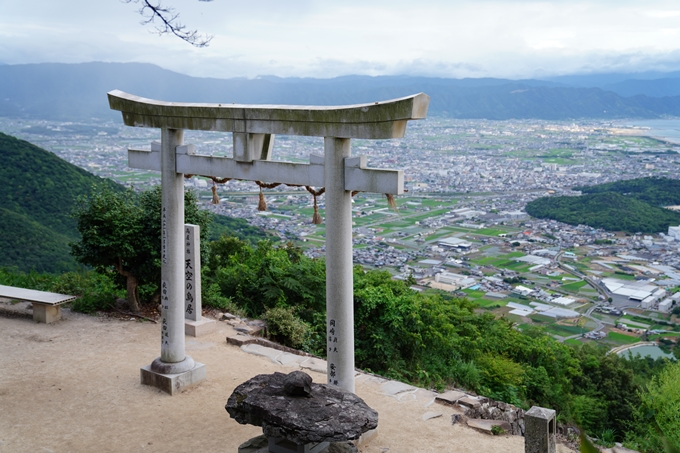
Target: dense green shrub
{"x": 284, "y": 327}
{"x": 267, "y": 276}
{"x": 211, "y": 297}
{"x": 28, "y": 280}
{"x": 658, "y": 414}
{"x": 95, "y": 291}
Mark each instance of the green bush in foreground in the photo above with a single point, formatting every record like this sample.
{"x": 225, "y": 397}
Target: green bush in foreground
{"x": 95, "y": 291}
{"x": 28, "y": 280}
{"x": 657, "y": 418}
{"x": 286, "y": 328}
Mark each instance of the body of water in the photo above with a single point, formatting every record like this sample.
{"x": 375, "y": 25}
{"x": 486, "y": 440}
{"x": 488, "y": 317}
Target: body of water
{"x": 653, "y": 351}
{"x": 664, "y": 129}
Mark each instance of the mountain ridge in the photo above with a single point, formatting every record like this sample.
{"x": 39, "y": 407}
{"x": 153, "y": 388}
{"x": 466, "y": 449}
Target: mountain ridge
{"x": 77, "y": 92}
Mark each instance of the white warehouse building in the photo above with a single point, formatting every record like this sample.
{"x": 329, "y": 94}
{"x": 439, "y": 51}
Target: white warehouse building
{"x": 674, "y": 232}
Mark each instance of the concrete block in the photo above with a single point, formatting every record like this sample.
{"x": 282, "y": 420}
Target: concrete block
{"x": 288, "y": 359}
{"x": 314, "y": 364}
{"x": 539, "y": 431}
{"x": 46, "y": 313}
{"x": 173, "y": 383}
{"x": 282, "y": 445}
{"x": 259, "y": 444}
{"x": 199, "y": 328}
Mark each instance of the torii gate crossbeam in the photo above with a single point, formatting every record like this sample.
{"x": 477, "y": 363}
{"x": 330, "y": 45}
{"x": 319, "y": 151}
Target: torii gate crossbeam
{"x": 253, "y": 128}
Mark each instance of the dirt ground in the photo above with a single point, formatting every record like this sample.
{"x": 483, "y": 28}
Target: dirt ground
{"x": 74, "y": 386}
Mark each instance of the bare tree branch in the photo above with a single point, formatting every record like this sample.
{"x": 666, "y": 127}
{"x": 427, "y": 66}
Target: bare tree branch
{"x": 166, "y": 20}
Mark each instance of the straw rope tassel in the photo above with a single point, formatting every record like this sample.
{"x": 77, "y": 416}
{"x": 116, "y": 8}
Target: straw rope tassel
{"x": 215, "y": 198}
{"x": 316, "y": 218}
{"x": 391, "y": 202}
{"x": 262, "y": 205}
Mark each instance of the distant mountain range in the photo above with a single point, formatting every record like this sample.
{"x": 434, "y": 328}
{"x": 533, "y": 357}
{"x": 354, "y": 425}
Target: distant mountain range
{"x": 77, "y": 92}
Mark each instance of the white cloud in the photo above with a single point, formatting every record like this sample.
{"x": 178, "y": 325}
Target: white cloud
{"x": 519, "y": 38}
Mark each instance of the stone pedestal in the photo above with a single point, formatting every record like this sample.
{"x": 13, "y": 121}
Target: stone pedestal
{"x": 199, "y": 328}
{"x": 261, "y": 444}
{"x": 171, "y": 380}
{"x": 46, "y": 313}
{"x": 539, "y": 434}
{"x": 281, "y": 445}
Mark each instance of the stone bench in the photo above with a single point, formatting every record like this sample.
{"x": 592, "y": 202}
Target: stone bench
{"x": 46, "y": 305}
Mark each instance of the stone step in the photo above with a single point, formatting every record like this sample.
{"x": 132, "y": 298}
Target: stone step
{"x": 487, "y": 425}
{"x": 450, "y": 397}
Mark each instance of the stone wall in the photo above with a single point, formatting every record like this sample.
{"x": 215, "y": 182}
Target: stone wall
{"x": 497, "y": 410}
{"x": 482, "y": 408}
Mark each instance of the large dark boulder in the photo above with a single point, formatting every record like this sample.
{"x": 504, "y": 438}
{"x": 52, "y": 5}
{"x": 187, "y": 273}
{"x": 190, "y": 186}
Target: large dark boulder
{"x": 326, "y": 414}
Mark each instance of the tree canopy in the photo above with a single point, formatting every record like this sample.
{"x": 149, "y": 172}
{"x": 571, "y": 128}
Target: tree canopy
{"x": 652, "y": 190}
{"x": 121, "y": 232}
{"x": 37, "y": 194}
{"x": 610, "y": 211}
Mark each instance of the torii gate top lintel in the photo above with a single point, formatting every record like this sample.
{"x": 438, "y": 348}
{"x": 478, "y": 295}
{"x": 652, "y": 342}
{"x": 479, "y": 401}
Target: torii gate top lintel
{"x": 379, "y": 120}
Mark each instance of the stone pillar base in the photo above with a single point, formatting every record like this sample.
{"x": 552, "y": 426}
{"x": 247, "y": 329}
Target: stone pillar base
{"x": 199, "y": 328}
{"x": 173, "y": 383}
{"x": 366, "y": 437}
{"x": 46, "y": 313}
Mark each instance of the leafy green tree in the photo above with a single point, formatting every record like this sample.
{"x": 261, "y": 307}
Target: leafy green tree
{"x": 121, "y": 233}
{"x": 611, "y": 211}
{"x": 259, "y": 279}
{"x": 657, "y": 418}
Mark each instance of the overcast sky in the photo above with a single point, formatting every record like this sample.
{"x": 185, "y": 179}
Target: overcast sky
{"x": 322, "y": 38}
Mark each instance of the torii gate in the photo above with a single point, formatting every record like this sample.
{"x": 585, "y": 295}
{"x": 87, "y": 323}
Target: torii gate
{"x": 253, "y": 128}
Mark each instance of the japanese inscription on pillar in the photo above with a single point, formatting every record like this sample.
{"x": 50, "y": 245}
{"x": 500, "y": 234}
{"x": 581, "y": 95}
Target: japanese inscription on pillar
{"x": 332, "y": 350}
{"x": 192, "y": 273}
{"x": 165, "y": 300}
{"x": 164, "y": 235}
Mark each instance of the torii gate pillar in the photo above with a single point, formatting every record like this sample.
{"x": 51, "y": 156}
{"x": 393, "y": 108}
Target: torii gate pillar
{"x": 253, "y": 129}
{"x": 339, "y": 278}
{"x": 173, "y": 370}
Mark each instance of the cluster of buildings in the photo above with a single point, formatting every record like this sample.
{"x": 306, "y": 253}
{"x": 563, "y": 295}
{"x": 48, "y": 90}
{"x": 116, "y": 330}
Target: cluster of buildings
{"x": 493, "y": 168}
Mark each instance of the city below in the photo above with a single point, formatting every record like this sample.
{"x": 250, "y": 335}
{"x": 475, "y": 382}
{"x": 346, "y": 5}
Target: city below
{"x": 461, "y": 227}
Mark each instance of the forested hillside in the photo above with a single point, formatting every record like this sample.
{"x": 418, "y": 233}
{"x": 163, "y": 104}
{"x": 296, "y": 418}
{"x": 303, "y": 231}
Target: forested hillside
{"x": 38, "y": 192}
{"x": 655, "y": 191}
{"x": 631, "y": 206}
